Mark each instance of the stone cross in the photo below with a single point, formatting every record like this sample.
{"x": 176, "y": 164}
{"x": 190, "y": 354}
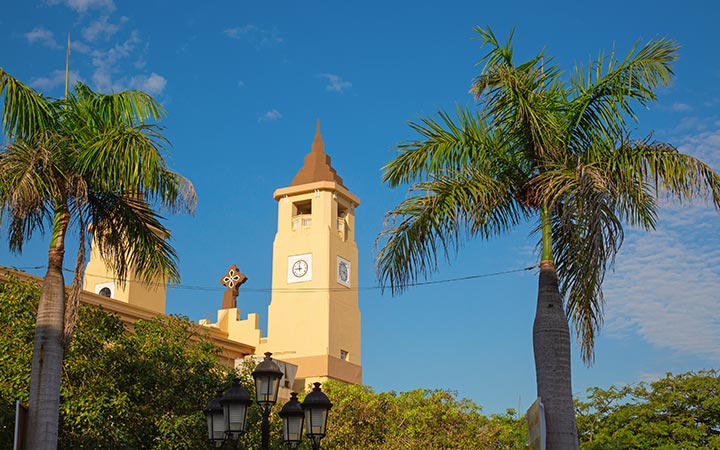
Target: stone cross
{"x": 233, "y": 279}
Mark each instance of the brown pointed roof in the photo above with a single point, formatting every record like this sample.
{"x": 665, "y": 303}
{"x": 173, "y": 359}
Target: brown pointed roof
{"x": 317, "y": 165}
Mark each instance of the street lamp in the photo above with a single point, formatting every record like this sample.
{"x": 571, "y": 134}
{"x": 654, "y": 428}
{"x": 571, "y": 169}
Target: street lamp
{"x": 316, "y": 407}
{"x": 227, "y": 412}
{"x": 215, "y": 421}
{"x": 235, "y": 403}
{"x": 293, "y": 416}
{"x": 267, "y": 377}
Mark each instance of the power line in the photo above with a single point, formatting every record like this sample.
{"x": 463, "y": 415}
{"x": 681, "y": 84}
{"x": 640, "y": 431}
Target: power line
{"x": 302, "y": 290}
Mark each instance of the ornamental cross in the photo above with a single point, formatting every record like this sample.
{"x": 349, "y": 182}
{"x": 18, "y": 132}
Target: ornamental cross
{"x": 233, "y": 279}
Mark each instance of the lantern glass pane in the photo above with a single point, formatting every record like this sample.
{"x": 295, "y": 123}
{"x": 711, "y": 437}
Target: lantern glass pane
{"x": 263, "y": 388}
{"x": 315, "y": 420}
{"x": 218, "y": 425}
{"x": 293, "y": 429}
{"x": 235, "y": 417}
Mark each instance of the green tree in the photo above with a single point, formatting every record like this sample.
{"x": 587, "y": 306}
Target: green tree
{"x": 121, "y": 390}
{"x": 677, "y": 411}
{"x": 550, "y": 150}
{"x": 86, "y": 159}
{"x": 362, "y": 419}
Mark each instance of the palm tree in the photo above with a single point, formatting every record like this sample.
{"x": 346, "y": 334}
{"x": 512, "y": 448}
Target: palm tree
{"x": 89, "y": 162}
{"x": 554, "y": 151}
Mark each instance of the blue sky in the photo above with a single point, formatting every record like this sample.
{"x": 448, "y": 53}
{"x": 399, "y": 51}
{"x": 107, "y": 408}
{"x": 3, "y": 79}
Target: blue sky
{"x": 243, "y": 84}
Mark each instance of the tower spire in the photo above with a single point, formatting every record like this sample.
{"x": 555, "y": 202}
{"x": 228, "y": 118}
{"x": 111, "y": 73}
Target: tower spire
{"x": 317, "y": 166}
{"x": 318, "y": 145}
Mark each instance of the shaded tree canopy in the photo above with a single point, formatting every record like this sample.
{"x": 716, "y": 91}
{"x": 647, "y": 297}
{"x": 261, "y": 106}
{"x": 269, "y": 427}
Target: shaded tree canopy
{"x": 675, "y": 412}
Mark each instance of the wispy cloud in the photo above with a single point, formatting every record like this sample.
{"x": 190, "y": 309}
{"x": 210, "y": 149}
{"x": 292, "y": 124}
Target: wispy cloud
{"x": 101, "y": 28}
{"x": 57, "y": 78}
{"x": 259, "y": 37}
{"x": 270, "y": 116}
{"x": 666, "y": 283}
{"x": 680, "y": 107}
{"x": 153, "y": 84}
{"x": 82, "y": 6}
{"x": 42, "y": 36}
{"x": 335, "y": 83}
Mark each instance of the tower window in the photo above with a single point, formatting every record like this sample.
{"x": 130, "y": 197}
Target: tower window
{"x": 342, "y": 213}
{"x": 105, "y": 292}
{"x": 343, "y": 355}
{"x": 302, "y": 214}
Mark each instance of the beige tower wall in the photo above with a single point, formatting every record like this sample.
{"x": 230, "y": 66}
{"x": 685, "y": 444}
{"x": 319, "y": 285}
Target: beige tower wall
{"x": 148, "y": 296}
{"x": 316, "y": 323}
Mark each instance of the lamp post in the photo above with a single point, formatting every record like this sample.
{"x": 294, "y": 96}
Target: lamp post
{"x": 316, "y": 407}
{"x": 227, "y": 412}
{"x": 267, "y": 377}
{"x": 293, "y": 416}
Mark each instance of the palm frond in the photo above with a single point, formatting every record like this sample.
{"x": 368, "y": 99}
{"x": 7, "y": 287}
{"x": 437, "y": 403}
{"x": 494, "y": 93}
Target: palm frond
{"x": 25, "y": 112}
{"x": 443, "y": 144}
{"x": 436, "y": 221}
{"x": 131, "y": 238}
{"x": 32, "y": 177}
{"x": 601, "y": 94}
{"x": 587, "y": 234}
{"x": 127, "y": 107}
{"x": 667, "y": 172}
{"x": 521, "y": 101}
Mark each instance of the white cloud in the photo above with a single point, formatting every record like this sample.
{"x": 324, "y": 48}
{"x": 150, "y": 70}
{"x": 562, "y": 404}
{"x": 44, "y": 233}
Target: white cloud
{"x": 105, "y": 63}
{"x": 666, "y": 284}
{"x": 270, "y": 116}
{"x": 81, "y": 6}
{"x": 42, "y": 36}
{"x": 153, "y": 84}
{"x": 259, "y": 37}
{"x": 80, "y": 47}
{"x": 335, "y": 83}
{"x": 100, "y": 28}
{"x": 57, "y": 78}
{"x": 680, "y": 107}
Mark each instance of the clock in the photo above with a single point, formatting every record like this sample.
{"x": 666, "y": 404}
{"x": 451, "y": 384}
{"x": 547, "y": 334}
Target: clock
{"x": 343, "y": 271}
{"x": 299, "y": 268}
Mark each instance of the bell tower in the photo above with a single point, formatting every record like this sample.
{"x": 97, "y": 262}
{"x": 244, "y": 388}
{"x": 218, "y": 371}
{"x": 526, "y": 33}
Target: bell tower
{"x": 313, "y": 317}
{"x": 103, "y": 281}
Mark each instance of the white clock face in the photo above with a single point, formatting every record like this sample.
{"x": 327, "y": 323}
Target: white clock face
{"x": 343, "y": 271}
{"x": 299, "y": 268}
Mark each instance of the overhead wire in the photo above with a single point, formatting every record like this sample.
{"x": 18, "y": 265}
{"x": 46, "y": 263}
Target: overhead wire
{"x": 301, "y": 290}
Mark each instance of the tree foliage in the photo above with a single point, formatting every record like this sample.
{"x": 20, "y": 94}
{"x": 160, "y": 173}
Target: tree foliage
{"x": 675, "y": 412}
{"x": 420, "y": 419}
{"x": 144, "y": 389}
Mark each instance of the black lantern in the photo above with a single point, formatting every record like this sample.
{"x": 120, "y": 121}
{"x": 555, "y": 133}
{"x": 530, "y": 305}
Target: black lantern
{"x": 235, "y": 403}
{"x": 316, "y": 407}
{"x": 292, "y": 417}
{"x": 267, "y": 377}
{"x": 215, "y": 421}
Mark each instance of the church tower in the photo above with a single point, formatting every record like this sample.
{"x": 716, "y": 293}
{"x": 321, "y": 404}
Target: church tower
{"x": 313, "y": 318}
{"x": 103, "y": 281}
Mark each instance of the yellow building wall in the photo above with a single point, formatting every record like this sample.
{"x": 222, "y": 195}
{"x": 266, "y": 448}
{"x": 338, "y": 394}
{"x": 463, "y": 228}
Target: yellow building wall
{"x": 148, "y": 296}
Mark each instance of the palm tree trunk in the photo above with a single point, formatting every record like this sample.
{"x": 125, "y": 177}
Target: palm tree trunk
{"x": 551, "y": 346}
{"x": 47, "y": 360}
